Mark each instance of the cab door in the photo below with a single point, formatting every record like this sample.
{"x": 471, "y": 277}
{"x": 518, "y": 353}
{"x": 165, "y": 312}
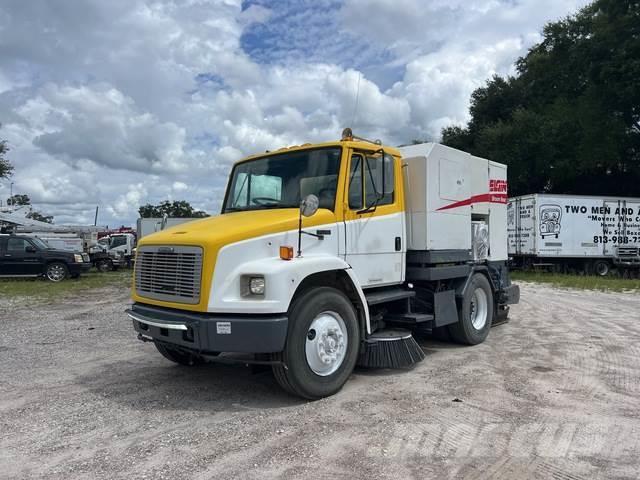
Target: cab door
{"x": 3, "y": 246}
{"x": 21, "y": 257}
{"x": 374, "y": 219}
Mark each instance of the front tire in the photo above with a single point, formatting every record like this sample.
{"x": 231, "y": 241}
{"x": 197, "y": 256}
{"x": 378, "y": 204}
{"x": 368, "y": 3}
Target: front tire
{"x": 476, "y": 313}
{"x": 104, "y": 266}
{"x": 56, "y": 272}
{"x": 322, "y": 344}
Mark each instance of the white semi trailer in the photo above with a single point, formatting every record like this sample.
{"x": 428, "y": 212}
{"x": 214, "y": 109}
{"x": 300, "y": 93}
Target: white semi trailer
{"x": 575, "y": 232}
{"x": 328, "y": 255}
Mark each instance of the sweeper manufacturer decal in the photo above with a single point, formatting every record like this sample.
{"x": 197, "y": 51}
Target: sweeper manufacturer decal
{"x": 497, "y": 194}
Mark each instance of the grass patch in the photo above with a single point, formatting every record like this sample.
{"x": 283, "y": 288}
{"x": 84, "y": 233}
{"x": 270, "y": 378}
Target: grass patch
{"x": 43, "y": 290}
{"x": 585, "y": 282}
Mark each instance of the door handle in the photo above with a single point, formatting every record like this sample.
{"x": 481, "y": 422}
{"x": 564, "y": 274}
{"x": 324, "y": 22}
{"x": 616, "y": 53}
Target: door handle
{"x": 398, "y": 244}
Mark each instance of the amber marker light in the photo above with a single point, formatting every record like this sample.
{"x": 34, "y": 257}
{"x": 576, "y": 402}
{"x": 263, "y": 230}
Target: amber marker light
{"x": 286, "y": 253}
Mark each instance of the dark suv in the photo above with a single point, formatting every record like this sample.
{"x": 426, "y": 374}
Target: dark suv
{"x": 24, "y": 256}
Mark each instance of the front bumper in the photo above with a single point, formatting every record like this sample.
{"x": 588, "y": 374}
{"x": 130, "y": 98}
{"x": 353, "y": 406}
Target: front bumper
{"x": 209, "y": 333}
{"x": 77, "y": 268}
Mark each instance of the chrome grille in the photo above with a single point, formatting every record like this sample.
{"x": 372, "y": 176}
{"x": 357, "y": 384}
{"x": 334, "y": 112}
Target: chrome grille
{"x": 170, "y": 273}
{"x": 628, "y": 251}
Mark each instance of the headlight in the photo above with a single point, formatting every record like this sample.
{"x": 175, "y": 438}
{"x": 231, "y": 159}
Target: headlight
{"x": 256, "y": 285}
{"x": 77, "y": 257}
{"x": 252, "y": 285}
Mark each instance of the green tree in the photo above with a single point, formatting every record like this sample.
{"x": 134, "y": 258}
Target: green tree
{"x": 40, "y": 217}
{"x": 569, "y": 121}
{"x": 176, "y": 209}
{"x": 24, "y": 200}
{"x": 5, "y": 167}
{"x": 19, "y": 200}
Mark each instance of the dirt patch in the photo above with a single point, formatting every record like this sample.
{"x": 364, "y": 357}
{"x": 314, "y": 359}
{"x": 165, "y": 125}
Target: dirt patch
{"x": 553, "y": 393}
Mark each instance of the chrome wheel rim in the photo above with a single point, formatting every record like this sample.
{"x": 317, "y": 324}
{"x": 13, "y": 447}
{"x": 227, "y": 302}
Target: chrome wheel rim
{"x": 478, "y": 309}
{"x": 55, "y": 273}
{"x": 326, "y": 343}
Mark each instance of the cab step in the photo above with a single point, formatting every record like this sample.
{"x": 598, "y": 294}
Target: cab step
{"x": 385, "y": 296}
{"x": 408, "y": 318}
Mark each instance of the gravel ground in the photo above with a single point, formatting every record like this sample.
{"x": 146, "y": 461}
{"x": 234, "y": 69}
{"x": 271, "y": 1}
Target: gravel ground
{"x": 552, "y": 394}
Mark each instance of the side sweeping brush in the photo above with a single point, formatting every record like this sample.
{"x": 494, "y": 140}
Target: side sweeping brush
{"x": 390, "y": 349}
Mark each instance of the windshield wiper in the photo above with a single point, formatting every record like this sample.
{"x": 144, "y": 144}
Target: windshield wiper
{"x": 275, "y": 205}
{"x": 269, "y": 206}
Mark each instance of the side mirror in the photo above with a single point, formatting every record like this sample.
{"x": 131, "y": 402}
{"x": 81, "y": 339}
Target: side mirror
{"x": 309, "y": 205}
{"x": 30, "y": 249}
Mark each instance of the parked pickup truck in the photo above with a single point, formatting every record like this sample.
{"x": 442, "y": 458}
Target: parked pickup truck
{"x": 23, "y": 256}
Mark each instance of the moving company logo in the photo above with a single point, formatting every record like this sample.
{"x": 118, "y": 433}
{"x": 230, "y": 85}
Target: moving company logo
{"x": 550, "y": 216}
{"x": 497, "y": 194}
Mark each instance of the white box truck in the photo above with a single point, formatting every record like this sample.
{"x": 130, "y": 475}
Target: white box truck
{"x": 327, "y": 255}
{"x": 575, "y": 232}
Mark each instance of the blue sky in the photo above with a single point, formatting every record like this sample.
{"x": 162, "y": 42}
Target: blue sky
{"x": 125, "y": 102}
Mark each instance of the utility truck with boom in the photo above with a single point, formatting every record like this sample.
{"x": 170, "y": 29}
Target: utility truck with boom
{"x": 329, "y": 255}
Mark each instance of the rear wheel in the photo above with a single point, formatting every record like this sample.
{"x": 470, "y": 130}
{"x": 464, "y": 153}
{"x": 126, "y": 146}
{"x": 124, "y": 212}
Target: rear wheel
{"x": 601, "y": 268}
{"x": 56, "y": 272}
{"x": 178, "y": 356}
{"x": 322, "y": 344}
{"x": 476, "y": 313}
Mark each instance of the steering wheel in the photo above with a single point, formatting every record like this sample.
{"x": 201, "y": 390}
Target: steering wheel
{"x": 264, "y": 200}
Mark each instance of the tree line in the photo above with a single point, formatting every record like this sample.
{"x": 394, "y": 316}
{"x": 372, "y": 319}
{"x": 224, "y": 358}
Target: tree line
{"x": 569, "y": 120}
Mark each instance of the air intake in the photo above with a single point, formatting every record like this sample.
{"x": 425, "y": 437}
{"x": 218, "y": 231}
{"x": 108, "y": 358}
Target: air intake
{"x": 170, "y": 273}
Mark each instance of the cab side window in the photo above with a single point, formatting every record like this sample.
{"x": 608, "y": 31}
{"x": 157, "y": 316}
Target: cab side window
{"x": 17, "y": 245}
{"x": 118, "y": 241}
{"x": 369, "y": 193}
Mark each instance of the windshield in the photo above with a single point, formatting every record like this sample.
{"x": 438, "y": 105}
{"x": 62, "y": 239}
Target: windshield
{"x": 39, "y": 243}
{"x": 281, "y": 181}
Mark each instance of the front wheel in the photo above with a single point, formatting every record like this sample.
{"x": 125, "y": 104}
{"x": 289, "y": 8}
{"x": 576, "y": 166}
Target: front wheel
{"x": 56, "y": 272}
{"x": 476, "y": 313}
{"x": 104, "y": 265}
{"x": 322, "y": 344}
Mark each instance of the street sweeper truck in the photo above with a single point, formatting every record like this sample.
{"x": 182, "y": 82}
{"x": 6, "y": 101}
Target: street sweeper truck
{"x": 328, "y": 256}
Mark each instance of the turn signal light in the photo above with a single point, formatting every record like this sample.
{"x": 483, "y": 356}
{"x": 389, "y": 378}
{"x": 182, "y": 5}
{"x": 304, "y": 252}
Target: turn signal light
{"x": 286, "y": 253}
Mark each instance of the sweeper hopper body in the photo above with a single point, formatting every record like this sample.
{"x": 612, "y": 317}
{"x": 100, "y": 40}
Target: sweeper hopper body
{"x": 330, "y": 255}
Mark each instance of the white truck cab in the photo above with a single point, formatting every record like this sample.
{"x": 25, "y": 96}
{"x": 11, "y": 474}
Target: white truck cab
{"x": 326, "y": 256}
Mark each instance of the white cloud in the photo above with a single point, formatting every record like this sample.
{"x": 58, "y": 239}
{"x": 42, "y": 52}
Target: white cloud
{"x": 98, "y": 123}
{"x": 126, "y": 102}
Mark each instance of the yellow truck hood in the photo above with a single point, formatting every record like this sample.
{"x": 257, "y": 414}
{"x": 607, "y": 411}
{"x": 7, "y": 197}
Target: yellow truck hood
{"x": 213, "y": 233}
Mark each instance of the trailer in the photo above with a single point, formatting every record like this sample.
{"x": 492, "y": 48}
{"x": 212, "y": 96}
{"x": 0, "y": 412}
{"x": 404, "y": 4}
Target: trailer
{"x": 330, "y": 255}
{"x": 575, "y": 233}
